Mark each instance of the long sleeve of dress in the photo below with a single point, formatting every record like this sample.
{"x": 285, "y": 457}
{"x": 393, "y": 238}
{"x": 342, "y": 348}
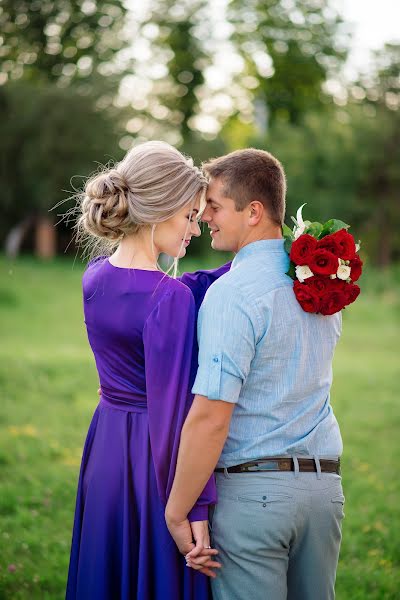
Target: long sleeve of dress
{"x": 200, "y": 281}
{"x": 168, "y": 344}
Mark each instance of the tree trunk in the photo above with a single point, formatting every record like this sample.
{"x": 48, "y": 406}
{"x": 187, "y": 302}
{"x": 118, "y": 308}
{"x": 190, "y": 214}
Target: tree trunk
{"x": 15, "y": 237}
{"x": 45, "y": 238}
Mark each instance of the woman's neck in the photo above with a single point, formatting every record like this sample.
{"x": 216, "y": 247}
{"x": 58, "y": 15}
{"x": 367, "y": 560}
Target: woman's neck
{"x": 136, "y": 252}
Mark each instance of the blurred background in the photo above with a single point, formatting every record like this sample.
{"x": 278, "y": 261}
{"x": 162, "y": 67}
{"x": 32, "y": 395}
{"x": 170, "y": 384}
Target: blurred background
{"x": 83, "y": 80}
{"x": 315, "y": 82}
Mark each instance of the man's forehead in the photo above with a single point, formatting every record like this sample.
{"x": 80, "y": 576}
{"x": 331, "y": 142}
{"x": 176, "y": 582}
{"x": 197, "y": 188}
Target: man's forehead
{"x": 216, "y": 189}
{"x": 215, "y": 183}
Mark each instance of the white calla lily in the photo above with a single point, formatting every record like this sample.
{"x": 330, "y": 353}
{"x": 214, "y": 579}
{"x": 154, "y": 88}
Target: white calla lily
{"x": 299, "y": 230}
{"x": 299, "y": 216}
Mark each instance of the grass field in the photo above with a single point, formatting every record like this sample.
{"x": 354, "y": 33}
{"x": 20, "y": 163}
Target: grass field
{"x": 48, "y": 391}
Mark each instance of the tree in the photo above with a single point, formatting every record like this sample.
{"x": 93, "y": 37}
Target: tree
{"x": 173, "y": 26}
{"x": 60, "y": 66}
{"x": 290, "y": 47}
{"x": 376, "y": 118}
{"x": 61, "y": 41}
{"x": 51, "y": 140}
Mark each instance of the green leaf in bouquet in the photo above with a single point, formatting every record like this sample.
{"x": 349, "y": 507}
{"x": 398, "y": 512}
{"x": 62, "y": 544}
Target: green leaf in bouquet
{"x": 287, "y": 232}
{"x": 332, "y": 226}
{"x": 314, "y": 229}
{"x": 288, "y": 244}
{"x": 292, "y": 270}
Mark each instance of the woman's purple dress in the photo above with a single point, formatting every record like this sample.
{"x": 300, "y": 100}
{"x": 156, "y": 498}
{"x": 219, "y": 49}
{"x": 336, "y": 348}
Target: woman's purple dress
{"x": 141, "y": 327}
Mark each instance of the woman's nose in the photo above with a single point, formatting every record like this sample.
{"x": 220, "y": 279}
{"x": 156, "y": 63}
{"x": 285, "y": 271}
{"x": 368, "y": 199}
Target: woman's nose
{"x": 195, "y": 228}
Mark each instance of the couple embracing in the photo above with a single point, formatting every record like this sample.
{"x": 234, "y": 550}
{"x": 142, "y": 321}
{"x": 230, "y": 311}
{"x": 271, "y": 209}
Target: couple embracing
{"x": 225, "y": 432}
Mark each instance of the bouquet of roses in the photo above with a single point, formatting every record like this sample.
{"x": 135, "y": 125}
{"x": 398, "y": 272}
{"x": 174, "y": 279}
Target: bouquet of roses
{"x": 323, "y": 263}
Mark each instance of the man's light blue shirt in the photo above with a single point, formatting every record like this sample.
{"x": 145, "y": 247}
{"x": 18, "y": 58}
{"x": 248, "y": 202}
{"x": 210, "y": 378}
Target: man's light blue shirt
{"x": 261, "y": 351}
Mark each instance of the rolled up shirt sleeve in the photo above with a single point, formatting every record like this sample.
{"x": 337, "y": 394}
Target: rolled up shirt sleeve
{"x": 227, "y": 332}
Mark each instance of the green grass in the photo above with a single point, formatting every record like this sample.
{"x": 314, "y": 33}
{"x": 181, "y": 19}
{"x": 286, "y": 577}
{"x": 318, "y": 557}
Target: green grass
{"x": 48, "y": 391}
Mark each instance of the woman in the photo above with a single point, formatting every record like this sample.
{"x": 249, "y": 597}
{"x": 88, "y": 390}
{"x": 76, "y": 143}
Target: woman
{"x": 141, "y": 327}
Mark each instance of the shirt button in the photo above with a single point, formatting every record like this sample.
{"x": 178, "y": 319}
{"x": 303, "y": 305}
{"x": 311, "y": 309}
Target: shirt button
{"x": 264, "y": 497}
{"x": 264, "y": 505}
{"x": 215, "y": 359}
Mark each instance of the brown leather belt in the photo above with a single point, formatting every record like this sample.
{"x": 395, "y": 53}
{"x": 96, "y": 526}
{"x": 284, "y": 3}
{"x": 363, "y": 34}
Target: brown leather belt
{"x": 307, "y": 465}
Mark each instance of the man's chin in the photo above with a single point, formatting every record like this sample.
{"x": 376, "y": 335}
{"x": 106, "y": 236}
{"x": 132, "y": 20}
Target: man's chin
{"x": 217, "y": 244}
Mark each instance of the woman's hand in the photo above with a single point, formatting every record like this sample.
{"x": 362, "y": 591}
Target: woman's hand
{"x": 201, "y": 556}
{"x": 181, "y": 532}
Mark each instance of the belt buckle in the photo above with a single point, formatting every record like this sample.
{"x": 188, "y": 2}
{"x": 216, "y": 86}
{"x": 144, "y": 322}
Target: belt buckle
{"x": 271, "y": 465}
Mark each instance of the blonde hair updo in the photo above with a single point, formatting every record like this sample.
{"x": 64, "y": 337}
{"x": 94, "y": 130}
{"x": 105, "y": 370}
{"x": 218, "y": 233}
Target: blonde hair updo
{"x": 150, "y": 185}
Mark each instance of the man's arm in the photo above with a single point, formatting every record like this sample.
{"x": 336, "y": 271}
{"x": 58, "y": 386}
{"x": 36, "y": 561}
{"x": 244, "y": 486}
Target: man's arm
{"x": 202, "y": 439}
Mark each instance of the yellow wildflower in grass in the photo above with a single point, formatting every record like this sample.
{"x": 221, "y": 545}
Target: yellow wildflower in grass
{"x": 386, "y": 564}
{"x": 379, "y": 526}
{"x": 363, "y": 467}
{"x": 72, "y": 457}
{"x": 23, "y": 430}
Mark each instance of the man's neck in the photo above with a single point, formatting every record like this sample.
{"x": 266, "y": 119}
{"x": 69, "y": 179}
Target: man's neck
{"x": 267, "y": 233}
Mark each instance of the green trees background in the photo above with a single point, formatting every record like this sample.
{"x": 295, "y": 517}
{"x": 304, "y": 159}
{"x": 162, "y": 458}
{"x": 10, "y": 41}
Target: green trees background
{"x": 83, "y": 81}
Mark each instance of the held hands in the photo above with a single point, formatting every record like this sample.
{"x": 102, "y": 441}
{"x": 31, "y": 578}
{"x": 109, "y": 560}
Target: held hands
{"x": 198, "y": 555}
{"x": 201, "y": 557}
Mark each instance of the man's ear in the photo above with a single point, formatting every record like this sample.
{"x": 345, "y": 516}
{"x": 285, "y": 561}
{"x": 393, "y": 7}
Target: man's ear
{"x": 256, "y": 212}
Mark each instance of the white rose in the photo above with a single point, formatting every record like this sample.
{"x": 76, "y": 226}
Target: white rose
{"x": 303, "y": 272}
{"x": 343, "y": 272}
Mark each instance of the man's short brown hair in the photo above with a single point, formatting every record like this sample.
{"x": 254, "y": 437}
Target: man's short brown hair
{"x": 249, "y": 175}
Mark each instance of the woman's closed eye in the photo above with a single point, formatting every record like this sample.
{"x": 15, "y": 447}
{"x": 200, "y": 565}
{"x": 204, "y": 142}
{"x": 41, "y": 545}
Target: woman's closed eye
{"x": 194, "y": 217}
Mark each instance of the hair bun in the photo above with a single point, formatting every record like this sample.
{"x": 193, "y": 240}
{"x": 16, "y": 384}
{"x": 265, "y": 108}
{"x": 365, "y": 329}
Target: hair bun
{"x": 106, "y": 184}
{"x": 105, "y": 208}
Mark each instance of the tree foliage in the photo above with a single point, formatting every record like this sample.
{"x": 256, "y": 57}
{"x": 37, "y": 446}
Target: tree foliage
{"x": 60, "y": 40}
{"x": 183, "y": 54}
{"x": 377, "y": 130}
{"x": 51, "y": 140}
{"x": 290, "y": 47}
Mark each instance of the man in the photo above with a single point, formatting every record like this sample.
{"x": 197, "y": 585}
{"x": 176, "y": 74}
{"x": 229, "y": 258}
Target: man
{"x": 261, "y": 416}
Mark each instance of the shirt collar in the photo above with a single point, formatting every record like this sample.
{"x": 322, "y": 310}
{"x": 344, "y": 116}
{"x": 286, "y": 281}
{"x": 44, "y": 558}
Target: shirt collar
{"x": 272, "y": 251}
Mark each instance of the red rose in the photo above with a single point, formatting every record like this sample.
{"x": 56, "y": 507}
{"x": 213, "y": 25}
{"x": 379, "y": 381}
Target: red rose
{"x": 346, "y": 243}
{"x": 332, "y": 302}
{"x": 330, "y": 243}
{"x": 302, "y": 249}
{"x": 351, "y": 293}
{"x": 307, "y": 297}
{"x": 339, "y": 284}
{"x": 356, "y": 268}
{"x": 319, "y": 284}
{"x": 323, "y": 262}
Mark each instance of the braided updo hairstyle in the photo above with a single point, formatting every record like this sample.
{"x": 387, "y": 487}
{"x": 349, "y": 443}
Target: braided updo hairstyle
{"x": 150, "y": 185}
